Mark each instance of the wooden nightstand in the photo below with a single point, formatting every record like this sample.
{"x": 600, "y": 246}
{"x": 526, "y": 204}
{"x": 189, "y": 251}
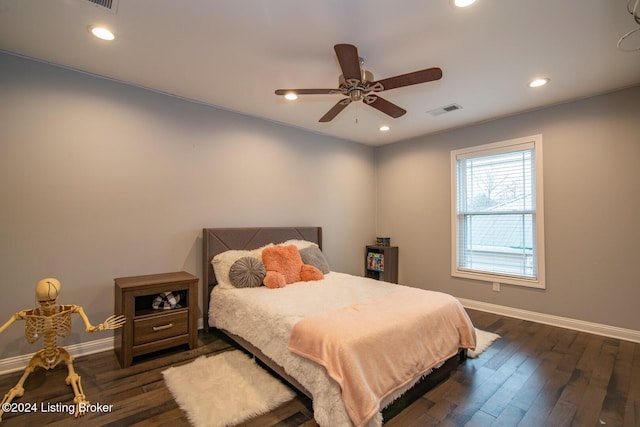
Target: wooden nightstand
{"x": 148, "y": 329}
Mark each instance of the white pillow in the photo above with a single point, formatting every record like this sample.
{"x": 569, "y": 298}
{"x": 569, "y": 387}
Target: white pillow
{"x": 300, "y": 244}
{"x": 223, "y": 261}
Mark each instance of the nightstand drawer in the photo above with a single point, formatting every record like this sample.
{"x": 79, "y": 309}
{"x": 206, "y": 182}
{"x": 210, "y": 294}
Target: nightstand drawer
{"x": 162, "y": 326}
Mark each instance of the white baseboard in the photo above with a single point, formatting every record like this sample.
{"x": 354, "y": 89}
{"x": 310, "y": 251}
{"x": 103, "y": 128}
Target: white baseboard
{"x": 549, "y": 319}
{"x": 18, "y": 363}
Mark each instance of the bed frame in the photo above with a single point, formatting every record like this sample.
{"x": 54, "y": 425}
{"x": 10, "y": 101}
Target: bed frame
{"x": 217, "y": 240}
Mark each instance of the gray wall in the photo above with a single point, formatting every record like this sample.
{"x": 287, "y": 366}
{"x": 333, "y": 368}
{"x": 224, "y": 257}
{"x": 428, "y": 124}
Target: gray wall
{"x": 592, "y": 202}
{"x": 101, "y": 180}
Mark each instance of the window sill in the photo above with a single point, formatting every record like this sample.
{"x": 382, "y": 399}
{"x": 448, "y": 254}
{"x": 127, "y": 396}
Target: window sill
{"x": 502, "y": 279}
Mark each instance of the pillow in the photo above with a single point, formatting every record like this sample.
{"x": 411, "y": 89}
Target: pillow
{"x": 247, "y": 272}
{"x": 300, "y": 244}
{"x": 309, "y": 273}
{"x": 284, "y": 266}
{"x": 312, "y": 255}
{"x": 223, "y": 261}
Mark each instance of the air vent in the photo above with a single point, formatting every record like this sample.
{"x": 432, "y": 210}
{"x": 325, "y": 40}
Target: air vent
{"x": 445, "y": 109}
{"x": 110, "y": 5}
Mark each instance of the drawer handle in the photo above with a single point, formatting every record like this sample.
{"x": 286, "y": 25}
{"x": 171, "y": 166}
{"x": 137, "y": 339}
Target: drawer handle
{"x": 163, "y": 327}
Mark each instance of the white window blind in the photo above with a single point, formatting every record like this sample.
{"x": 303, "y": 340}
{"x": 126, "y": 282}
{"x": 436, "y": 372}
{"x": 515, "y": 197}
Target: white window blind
{"x": 496, "y": 215}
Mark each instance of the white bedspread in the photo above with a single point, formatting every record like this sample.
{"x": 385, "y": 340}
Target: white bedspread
{"x": 265, "y": 317}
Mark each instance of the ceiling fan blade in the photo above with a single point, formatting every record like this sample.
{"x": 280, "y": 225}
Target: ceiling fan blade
{"x": 385, "y": 106}
{"x": 335, "y": 110}
{"x": 307, "y": 91}
{"x": 349, "y": 61}
{"x": 417, "y": 77}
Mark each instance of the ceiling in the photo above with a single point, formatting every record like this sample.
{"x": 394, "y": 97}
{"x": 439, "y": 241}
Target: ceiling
{"x": 233, "y": 54}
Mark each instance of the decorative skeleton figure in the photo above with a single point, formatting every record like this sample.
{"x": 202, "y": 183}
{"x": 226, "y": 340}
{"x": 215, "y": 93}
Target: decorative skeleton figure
{"x": 51, "y": 321}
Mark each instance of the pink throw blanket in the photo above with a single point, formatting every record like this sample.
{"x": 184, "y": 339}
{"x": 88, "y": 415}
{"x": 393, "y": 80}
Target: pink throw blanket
{"x": 377, "y": 346}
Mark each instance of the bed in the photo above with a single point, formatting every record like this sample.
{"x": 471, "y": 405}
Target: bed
{"x": 265, "y": 321}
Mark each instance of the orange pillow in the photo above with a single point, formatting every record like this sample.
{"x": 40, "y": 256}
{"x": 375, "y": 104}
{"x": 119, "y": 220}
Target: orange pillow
{"x": 284, "y": 265}
{"x": 309, "y": 272}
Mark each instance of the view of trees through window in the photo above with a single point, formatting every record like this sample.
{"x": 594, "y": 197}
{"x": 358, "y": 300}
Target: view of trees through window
{"x": 499, "y": 182}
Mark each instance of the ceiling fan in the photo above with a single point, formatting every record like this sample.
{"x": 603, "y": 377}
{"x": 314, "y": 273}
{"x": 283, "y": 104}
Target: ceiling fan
{"x": 357, "y": 84}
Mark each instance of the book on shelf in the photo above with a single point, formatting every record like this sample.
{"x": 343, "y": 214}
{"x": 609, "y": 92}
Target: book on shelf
{"x": 375, "y": 261}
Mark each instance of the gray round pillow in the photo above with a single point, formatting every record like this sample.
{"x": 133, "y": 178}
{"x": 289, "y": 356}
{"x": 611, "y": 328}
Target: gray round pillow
{"x": 247, "y": 272}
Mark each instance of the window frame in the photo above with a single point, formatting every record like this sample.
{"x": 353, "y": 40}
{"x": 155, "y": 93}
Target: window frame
{"x": 512, "y": 145}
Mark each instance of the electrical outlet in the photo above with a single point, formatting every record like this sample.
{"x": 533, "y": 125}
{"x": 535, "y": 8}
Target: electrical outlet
{"x": 496, "y": 287}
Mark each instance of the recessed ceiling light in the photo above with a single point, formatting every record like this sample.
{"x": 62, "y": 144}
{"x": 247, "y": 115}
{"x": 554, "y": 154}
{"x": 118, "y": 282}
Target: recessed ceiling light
{"x": 384, "y": 128}
{"x": 291, "y": 96}
{"x": 539, "y": 82}
{"x": 462, "y": 3}
{"x": 102, "y": 33}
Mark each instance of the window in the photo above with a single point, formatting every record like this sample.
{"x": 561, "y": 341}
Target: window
{"x": 497, "y": 212}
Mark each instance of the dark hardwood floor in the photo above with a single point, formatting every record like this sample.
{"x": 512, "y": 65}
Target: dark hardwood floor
{"x": 535, "y": 375}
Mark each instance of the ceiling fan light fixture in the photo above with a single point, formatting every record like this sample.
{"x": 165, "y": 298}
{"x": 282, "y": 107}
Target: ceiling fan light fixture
{"x": 356, "y": 95}
{"x": 541, "y": 81}
{"x": 102, "y": 33}
{"x": 291, "y": 96}
{"x": 356, "y": 84}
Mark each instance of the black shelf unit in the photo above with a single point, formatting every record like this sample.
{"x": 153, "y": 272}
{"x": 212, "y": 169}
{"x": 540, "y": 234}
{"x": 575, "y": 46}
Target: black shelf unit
{"x": 381, "y": 263}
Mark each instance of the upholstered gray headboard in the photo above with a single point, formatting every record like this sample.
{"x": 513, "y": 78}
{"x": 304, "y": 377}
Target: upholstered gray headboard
{"x": 217, "y": 240}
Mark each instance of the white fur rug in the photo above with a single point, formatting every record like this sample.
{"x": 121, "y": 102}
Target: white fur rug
{"x": 225, "y": 389}
{"x": 483, "y": 341}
